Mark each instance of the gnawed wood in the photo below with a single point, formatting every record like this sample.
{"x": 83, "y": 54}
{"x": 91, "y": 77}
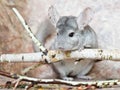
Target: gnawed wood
{"x": 91, "y": 54}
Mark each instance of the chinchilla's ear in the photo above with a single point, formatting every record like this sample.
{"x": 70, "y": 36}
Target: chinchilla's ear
{"x": 53, "y": 15}
{"x": 84, "y": 18}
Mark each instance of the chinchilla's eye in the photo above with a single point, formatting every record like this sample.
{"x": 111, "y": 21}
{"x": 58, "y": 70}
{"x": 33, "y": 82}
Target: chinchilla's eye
{"x": 57, "y": 33}
{"x": 71, "y": 34}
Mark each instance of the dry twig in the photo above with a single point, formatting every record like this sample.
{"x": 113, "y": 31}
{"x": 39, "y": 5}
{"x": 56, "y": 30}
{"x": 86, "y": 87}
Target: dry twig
{"x": 96, "y": 83}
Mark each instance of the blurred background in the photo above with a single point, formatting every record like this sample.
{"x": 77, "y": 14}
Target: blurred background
{"x": 14, "y": 39}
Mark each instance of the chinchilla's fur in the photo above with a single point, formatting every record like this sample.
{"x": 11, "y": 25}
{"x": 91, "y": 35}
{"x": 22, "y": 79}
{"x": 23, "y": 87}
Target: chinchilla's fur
{"x": 72, "y": 33}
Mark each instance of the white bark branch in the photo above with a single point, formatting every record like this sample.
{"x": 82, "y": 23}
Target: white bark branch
{"x": 35, "y": 40}
{"x": 100, "y": 54}
{"x": 26, "y": 57}
{"x": 96, "y": 83}
{"x": 92, "y": 54}
{"x": 27, "y": 28}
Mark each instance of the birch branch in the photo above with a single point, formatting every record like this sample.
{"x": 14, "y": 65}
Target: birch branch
{"x": 72, "y": 83}
{"x": 91, "y": 54}
{"x": 100, "y": 54}
{"x": 97, "y": 83}
{"x": 26, "y": 57}
{"x": 35, "y": 40}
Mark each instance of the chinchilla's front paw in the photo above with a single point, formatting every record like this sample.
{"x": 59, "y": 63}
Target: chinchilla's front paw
{"x": 68, "y": 78}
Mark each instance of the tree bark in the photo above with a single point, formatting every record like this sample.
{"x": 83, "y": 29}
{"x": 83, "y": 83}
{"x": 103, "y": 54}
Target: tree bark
{"x": 91, "y": 54}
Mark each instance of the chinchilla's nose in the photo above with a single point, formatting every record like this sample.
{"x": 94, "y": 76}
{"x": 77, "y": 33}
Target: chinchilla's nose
{"x": 57, "y": 46}
{"x": 60, "y": 46}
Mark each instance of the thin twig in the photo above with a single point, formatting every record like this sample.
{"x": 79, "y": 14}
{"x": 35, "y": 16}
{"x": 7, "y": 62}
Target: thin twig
{"x": 27, "y": 28}
{"x": 96, "y": 83}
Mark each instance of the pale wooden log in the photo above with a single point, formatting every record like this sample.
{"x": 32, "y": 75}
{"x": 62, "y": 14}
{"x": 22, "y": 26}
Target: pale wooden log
{"x": 91, "y": 54}
{"x": 26, "y": 57}
{"x": 100, "y": 54}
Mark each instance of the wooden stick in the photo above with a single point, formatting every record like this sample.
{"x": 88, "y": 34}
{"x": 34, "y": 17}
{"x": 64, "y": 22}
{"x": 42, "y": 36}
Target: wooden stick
{"x": 27, "y": 28}
{"x": 91, "y": 54}
{"x": 96, "y": 83}
{"x": 100, "y": 54}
